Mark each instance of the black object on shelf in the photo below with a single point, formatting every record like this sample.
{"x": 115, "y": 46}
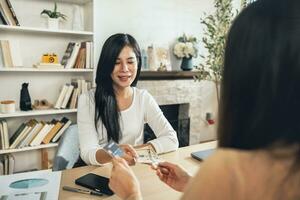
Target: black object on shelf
{"x": 25, "y": 101}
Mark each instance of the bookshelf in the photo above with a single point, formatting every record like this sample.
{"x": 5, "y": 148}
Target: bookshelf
{"x": 36, "y": 39}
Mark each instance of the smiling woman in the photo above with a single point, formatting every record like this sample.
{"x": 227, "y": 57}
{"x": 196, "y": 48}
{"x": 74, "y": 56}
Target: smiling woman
{"x": 117, "y": 110}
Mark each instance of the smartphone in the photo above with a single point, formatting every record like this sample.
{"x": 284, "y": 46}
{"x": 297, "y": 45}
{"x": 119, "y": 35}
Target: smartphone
{"x": 95, "y": 182}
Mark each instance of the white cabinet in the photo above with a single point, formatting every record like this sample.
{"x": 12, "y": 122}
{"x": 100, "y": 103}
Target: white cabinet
{"x": 36, "y": 39}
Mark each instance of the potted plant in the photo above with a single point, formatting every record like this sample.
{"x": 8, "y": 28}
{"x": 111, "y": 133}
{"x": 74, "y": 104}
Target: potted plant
{"x": 53, "y": 17}
{"x": 186, "y": 48}
{"x": 215, "y": 34}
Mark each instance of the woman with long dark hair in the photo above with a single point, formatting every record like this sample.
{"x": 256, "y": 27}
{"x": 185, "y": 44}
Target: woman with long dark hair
{"x": 117, "y": 110}
{"x": 258, "y": 133}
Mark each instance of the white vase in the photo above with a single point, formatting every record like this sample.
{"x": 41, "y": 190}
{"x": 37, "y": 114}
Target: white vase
{"x": 53, "y": 23}
{"x": 77, "y": 24}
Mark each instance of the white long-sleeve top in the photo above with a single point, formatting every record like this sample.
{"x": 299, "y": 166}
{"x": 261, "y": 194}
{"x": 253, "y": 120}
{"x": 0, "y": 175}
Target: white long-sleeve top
{"x": 143, "y": 109}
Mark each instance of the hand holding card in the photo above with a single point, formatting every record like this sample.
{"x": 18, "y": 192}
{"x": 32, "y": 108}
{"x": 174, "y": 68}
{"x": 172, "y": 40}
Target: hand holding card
{"x": 125, "y": 151}
{"x": 113, "y": 149}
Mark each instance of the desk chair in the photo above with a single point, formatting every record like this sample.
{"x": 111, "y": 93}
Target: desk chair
{"x": 68, "y": 150}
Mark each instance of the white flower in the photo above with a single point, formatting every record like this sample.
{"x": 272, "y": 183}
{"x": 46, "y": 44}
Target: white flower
{"x": 185, "y": 49}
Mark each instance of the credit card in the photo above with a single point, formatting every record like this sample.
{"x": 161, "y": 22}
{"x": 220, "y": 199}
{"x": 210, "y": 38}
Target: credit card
{"x": 113, "y": 149}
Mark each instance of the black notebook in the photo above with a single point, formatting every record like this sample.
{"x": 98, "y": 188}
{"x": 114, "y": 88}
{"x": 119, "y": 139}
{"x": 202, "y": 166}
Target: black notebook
{"x": 203, "y": 154}
{"x": 95, "y": 182}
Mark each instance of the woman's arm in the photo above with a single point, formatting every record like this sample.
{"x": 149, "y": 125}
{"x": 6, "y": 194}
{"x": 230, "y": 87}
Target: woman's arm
{"x": 90, "y": 150}
{"x": 166, "y": 136}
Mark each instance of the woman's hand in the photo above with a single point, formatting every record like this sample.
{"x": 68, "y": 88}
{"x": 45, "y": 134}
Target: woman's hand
{"x": 173, "y": 175}
{"x": 123, "y": 181}
{"x": 130, "y": 154}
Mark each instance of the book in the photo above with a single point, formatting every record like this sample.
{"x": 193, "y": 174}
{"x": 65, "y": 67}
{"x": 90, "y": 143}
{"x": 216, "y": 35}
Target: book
{"x": 13, "y": 12}
{"x": 67, "y": 96}
{"x": 88, "y": 55}
{"x": 61, "y": 96}
{"x": 2, "y": 18}
{"x": 1, "y": 167}
{"x": 11, "y": 164}
{"x": 80, "y": 60}
{"x": 1, "y": 58}
{"x": 15, "y": 52}
{"x": 72, "y": 59}
{"x": 6, "y": 53}
{"x": 52, "y": 132}
{"x": 2, "y": 145}
{"x": 5, "y": 134}
{"x": 92, "y": 55}
{"x": 40, "y": 136}
{"x": 74, "y": 98}
{"x": 67, "y": 54}
{"x": 66, "y": 123}
{"x": 41, "y": 125}
{"x": 6, "y": 164}
{"x": 16, "y": 133}
{"x": 7, "y": 13}
{"x": 20, "y": 137}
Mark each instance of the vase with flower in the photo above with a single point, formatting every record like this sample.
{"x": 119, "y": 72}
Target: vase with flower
{"x": 186, "y": 49}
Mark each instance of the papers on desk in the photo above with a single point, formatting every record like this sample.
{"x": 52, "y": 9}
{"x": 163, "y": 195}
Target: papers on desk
{"x": 37, "y": 185}
{"x": 147, "y": 156}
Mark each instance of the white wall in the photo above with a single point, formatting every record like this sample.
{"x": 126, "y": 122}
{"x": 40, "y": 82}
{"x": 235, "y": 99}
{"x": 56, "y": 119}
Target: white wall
{"x": 157, "y": 22}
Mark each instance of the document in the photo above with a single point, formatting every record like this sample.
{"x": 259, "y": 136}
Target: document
{"x": 37, "y": 185}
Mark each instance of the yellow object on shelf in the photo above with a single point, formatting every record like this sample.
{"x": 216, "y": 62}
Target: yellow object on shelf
{"x": 50, "y": 58}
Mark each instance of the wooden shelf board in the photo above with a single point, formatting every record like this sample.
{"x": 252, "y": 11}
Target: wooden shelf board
{"x": 42, "y": 146}
{"x": 167, "y": 75}
{"x": 37, "y": 112}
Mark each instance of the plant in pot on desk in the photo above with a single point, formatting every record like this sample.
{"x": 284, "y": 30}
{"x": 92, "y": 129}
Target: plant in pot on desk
{"x": 53, "y": 17}
{"x": 186, "y": 49}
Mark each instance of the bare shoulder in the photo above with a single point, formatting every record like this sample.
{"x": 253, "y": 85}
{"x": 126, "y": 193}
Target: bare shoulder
{"x": 215, "y": 173}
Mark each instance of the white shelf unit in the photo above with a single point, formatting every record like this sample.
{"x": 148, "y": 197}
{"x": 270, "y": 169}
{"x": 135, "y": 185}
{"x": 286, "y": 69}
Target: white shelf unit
{"x": 35, "y": 40}
{"x": 43, "y": 146}
{"x": 43, "y": 30}
{"x": 37, "y": 113}
{"x": 31, "y": 69}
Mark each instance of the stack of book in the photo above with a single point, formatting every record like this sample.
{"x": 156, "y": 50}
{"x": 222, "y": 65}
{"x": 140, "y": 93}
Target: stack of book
{"x": 78, "y": 55}
{"x": 10, "y": 54}
{"x": 70, "y": 92}
{"x": 7, "y": 164}
{"x": 34, "y": 133}
{"x": 7, "y": 14}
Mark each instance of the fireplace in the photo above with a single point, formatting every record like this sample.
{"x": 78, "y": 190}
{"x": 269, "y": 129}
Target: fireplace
{"x": 178, "y": 117}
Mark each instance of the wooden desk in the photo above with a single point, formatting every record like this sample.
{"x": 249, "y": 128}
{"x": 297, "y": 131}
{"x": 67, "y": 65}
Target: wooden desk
{"x": 152, "y": 188}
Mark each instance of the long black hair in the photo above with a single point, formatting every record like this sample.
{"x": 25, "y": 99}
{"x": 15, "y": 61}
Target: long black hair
{"x": 106, "y": 108}
{"x": 260, "y": 91}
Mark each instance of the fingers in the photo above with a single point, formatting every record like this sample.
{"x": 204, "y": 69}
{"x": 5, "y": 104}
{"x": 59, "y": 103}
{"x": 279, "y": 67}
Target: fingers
{"x": 129, "y": 149}
{"x": 167, "y": 165}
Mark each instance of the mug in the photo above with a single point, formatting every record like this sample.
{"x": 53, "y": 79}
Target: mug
{"x": 8, "y": 106}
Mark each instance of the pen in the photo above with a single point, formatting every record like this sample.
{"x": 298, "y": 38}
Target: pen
{"x": 71, "y": 189}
